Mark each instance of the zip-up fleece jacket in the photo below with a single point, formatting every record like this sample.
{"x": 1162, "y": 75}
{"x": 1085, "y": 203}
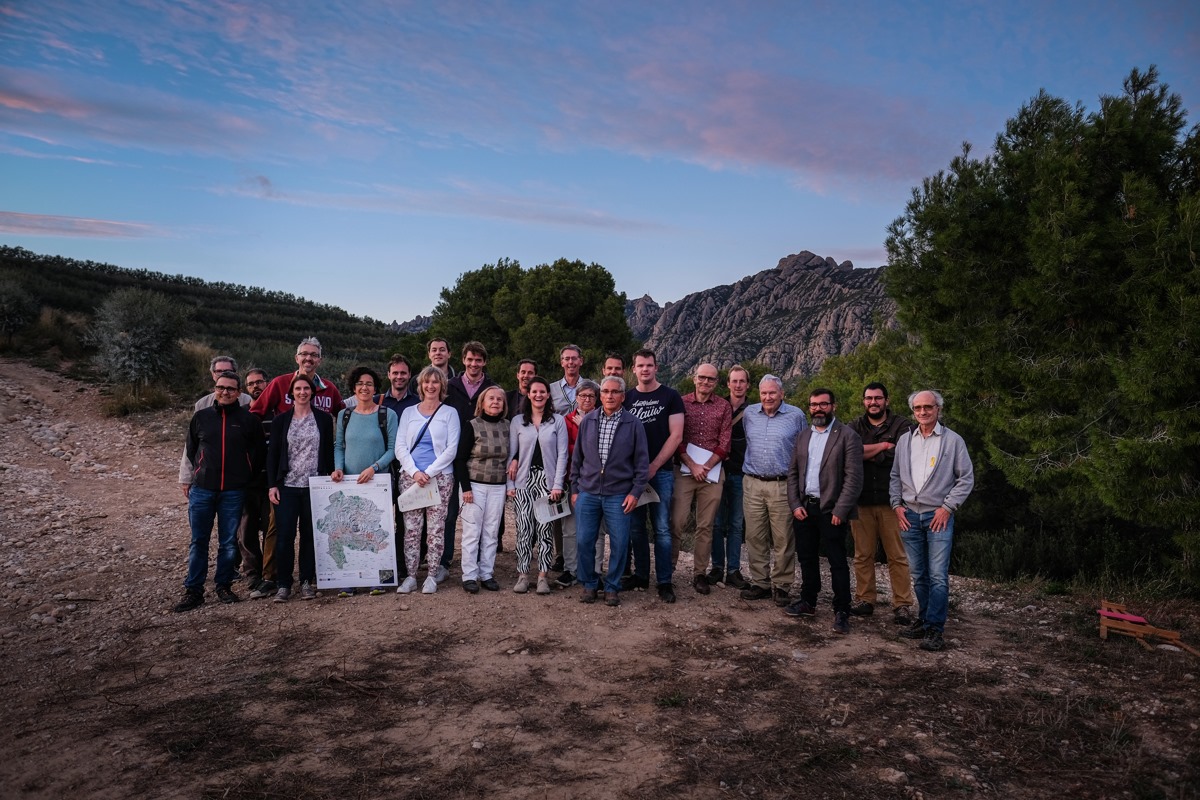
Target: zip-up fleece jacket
{"x": 628, "y": 468}
{"x": 949, "y": 484}
{"x": 226, "y": 447}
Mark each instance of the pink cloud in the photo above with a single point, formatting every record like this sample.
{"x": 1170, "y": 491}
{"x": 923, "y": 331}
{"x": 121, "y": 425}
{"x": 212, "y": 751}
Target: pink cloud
{"x": 81, "y": 227}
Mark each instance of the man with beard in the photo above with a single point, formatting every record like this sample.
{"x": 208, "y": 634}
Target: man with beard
{"x": 256, "y": 532}
{"x": 277, "y": 398}
{"x": 526, "y": 369}
{"x": 876, "y": 525}
{"x": 824, "y": 482}
{"x": 931, "y": 478}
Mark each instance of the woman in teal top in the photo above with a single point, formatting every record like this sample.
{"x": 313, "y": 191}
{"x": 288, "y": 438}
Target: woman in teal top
{"x": 364, "y": 437}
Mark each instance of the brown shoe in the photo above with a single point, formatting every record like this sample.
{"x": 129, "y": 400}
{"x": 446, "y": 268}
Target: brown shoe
{"x": 612, "y": 599}
{"x": 781, "y": 597}
{"x": 588, "y": 596}
{"x": 700, "y": 584}
{"x": 902, "y": 615}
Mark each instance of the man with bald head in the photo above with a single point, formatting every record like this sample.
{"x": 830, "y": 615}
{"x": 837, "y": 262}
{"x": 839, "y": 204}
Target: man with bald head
{"x": 699, "y": 479}
{"x": 931, "y": 478}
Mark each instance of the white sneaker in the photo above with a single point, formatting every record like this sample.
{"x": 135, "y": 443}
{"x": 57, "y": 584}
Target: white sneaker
{"x": 430, "y": 586}
{"x": 440, "y": 574}
{"x": 410, "y": 584}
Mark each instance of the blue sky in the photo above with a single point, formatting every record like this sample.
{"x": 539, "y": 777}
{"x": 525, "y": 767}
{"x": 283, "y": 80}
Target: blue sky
{"x": 365, "y": 153}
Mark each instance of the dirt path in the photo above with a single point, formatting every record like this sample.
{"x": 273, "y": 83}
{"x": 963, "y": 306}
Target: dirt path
{"x": 107, "y": 694}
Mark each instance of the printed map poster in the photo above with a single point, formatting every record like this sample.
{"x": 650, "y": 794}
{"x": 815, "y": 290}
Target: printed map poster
{"x": 354, "y": 532}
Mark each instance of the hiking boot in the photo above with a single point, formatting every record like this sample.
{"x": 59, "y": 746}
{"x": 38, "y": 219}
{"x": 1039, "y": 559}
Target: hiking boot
{"x": 700, "y": 584}
{"x": 522, "y": 584}
{"x": 862, "y": 608}
{"x": 470, "y": 587}
{"x": 307, "y": 590}
{"x": 253, "y": 583}
{"x": 841, "y": 623}
{"x": 800, "y": 608}
{"x": 612, "y": 599}
{"x": 753, "y": 592}
{"x": 902, "y": 615}
{"x": 565, "y": 581}
{"x": 282, "y": 595}
{"x": 225, "y": 595}
{"x": 264, "y": 589}
{"x": 491, "y": 585}
{"x": 933, "y": 641}
{"x": 734, "y": 580}
{"x": 634, "y": 583}
{"x": 191, "y": 599}
{"x": 408, "y": 587}
{"x": 914, "y": 631}
{"x": 588, "y": 596}
{"x": 782, "y": 598}
{"x": 430, "y": 585}
{"x": 715, "y": 576}
{"x": 666, "y": 592}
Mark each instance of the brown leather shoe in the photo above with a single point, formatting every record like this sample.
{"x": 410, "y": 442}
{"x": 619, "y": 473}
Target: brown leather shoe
{"x": 700, "y": 584}
{"x": 588, "y": 596}
{"x": 612, "y": 599}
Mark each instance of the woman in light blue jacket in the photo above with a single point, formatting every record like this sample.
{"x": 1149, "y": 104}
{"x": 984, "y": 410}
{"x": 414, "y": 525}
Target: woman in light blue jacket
{"x": 537, "y": 468}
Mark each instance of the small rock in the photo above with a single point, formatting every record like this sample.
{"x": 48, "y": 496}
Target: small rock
{"x": 478, "y": 745}
{"x": 893, "y": 776}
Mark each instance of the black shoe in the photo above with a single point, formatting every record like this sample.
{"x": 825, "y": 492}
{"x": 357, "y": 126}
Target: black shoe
{"x": 782, "y": 598}
{"x": 800, "y": 608}
{"x": 753, "y": 592}
{"x": 491, "y": 585}
{"x": 191, "y": 599}
{"x": 558, "y": 565}
{"x": 902, "y": 615}
{"x": 734, "y": 580}
{"x": 715, "y": 576}
{"x": 226, "y": 595}
{"x": 632, "y": 583}
{"x": 700, "y": 584}
{"x": 666, "y": 592}
{"x": 264, "y": 589}
{"x": 565, "y": 581}
{"x": 841, "y": 623}
{"x": 612, "y": 599}
{"x": 589, "y": 596}
{"x": 862, "y": 609}
{"x": 471, "y": 587}
{"x": 933, "y": 641}
{"x": 914, "y": 631}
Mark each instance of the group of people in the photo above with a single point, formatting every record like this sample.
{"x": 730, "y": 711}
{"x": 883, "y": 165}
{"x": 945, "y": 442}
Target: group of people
{"x": 638, "y": 463}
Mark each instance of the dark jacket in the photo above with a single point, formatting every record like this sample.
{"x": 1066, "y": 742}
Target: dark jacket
{"x": 457, "y": 398}
{"x": 277, "y": 453}
{"x": 628, "y": 468}
{"x": 877, "y": 472}
{"x": 841, "y": 471}
{"x": 225, "y": 446}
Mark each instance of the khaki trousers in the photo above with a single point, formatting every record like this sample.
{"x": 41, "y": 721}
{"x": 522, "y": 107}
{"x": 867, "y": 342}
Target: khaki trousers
{"x": 877, "y": 524}
{"x": 708, "y": 499}
{"x": 769, "y": 533}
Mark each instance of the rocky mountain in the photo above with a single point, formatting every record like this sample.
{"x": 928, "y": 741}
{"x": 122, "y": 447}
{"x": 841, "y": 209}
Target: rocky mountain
{"x": 790, "y": 318}
{"x": 417, "y": 324}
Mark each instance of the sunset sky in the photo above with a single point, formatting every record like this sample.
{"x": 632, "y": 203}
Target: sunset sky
{"x": 367, "y": 153}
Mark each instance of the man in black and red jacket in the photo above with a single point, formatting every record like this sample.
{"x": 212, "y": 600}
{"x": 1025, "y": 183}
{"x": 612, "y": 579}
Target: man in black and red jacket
{"x": 225, "y": 447}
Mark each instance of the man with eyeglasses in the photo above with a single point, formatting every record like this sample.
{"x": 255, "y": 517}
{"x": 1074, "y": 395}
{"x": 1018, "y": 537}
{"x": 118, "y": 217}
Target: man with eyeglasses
{"x": 707, "y": 430}
{"x": 218, "y": 366}
{"x": 932, "y": 477}
{"x": 824, "y": 480}
{"x": 879, "y": 430}
{"x": 277, "y": 398}
{"x": 225, "y": 442}
{"x": 256, "y": 533}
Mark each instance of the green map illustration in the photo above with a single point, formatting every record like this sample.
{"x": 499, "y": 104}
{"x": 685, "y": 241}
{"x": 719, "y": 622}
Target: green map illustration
{"x": 352, "y": 523}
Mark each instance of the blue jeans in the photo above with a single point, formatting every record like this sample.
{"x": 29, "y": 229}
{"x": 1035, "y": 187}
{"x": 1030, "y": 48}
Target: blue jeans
{"x": 929, "y": 563}
{"x": 729, "y": 527}
{"x": 659, "y": 515}
{"x": 589, "y": 510}
{"x": 203, "y": 506}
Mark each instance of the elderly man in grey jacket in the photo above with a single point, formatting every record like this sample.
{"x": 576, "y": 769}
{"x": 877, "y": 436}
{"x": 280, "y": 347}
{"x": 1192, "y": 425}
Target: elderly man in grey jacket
{"x": 931, "y": 478}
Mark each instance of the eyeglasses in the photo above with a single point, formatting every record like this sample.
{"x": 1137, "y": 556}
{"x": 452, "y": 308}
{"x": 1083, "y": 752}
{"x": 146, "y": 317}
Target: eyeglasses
{"x": 611, "y": 391}
{"x": 365, "y": 385}
{"x": 706, "y": 377}
{"x": 591, "y": 398}
{"x": 823, "y": 404}
{"x": 226, "y": 389}
{"x": 309, "y": 355}
{"x": 923, "y": 408}
{"x": 879, "y": 399}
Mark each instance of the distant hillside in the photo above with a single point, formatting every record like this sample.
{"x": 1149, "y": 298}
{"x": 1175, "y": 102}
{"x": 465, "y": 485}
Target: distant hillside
{"x": 791, "y": 318}
{"x": 255, "y": 325}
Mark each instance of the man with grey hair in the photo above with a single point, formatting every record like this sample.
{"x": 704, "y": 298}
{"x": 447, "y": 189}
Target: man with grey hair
{"x": 562, "y": 392}
{"x": 610, "y": 468}
{"x": 932, "y": 476}
{"x": 277, "y": 398}
{"x": 771, "y": 429}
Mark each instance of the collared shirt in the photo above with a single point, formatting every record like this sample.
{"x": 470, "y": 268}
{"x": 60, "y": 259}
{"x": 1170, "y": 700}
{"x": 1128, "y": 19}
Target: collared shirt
{"x": 562, "y": 395}
{"x": 473, "y": 388}
{"x": 770, "y": 440}
{"x": 816, "y": 452}
{"x": 608, "y": 429}
{"x": 923, "y": 454}
{"x": 708, "y": 424}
